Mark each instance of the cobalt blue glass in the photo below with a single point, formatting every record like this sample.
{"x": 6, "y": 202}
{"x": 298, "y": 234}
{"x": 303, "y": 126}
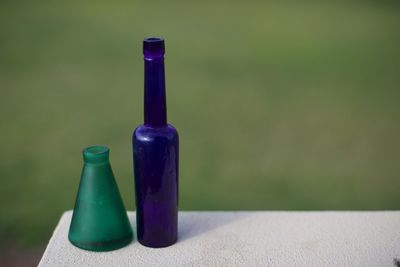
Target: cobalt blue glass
{"x": 155, "y": 154}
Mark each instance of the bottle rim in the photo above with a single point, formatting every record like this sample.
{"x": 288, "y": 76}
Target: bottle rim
{"x": 96, "y": 154}
{"x": 153, "y": 47}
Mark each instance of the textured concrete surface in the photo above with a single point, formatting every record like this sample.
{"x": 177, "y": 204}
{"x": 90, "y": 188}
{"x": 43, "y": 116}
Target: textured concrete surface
{"x": 252, "y": 239}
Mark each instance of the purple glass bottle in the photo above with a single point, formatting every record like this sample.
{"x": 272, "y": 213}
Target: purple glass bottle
{"x": 155, "y": 153}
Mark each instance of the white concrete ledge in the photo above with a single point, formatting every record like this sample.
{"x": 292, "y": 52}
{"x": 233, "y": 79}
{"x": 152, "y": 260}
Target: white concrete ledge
{"x": 251, "y": 239}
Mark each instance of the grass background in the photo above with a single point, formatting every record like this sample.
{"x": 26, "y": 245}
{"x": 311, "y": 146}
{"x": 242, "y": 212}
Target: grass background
{"x": 287, "y": 105}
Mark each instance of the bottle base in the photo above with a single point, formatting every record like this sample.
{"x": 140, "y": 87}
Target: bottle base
{"x": 157, "y": 245}
{"x": 100, "y": 246}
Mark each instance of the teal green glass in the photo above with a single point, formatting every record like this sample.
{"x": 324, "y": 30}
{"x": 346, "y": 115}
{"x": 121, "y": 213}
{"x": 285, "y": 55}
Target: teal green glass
{"x": 99, "y": 221}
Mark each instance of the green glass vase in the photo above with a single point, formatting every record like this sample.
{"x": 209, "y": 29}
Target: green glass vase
{"x": 99, "y": 221}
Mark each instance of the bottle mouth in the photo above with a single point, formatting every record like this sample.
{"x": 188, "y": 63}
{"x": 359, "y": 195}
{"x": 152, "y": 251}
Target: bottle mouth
{"x": 153, "y": 47}
{"x": 96, "y": 154}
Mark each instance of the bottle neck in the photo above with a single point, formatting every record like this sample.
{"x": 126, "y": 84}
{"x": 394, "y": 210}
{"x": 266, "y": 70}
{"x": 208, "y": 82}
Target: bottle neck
{"x": 97, "y": 155}
{"x": 155, "y": 110}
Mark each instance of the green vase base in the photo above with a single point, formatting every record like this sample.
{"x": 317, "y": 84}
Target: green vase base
{"x": 103, "y": 246}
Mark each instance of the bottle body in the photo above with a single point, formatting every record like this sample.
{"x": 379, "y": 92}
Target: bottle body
{"x": 99, "y": 221}
{"x": 156, "y": 155}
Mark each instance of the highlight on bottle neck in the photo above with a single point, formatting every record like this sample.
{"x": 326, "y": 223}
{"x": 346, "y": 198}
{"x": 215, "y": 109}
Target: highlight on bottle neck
{"x": 153, "y": 47}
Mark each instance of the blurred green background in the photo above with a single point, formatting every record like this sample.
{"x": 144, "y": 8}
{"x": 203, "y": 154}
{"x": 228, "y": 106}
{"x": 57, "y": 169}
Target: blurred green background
{"x": 282, "y": 106}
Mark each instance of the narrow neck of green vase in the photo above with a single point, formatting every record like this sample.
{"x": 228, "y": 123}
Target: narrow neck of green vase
{"x": 155, "y": 109}
{"x": 96, "y": 155}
